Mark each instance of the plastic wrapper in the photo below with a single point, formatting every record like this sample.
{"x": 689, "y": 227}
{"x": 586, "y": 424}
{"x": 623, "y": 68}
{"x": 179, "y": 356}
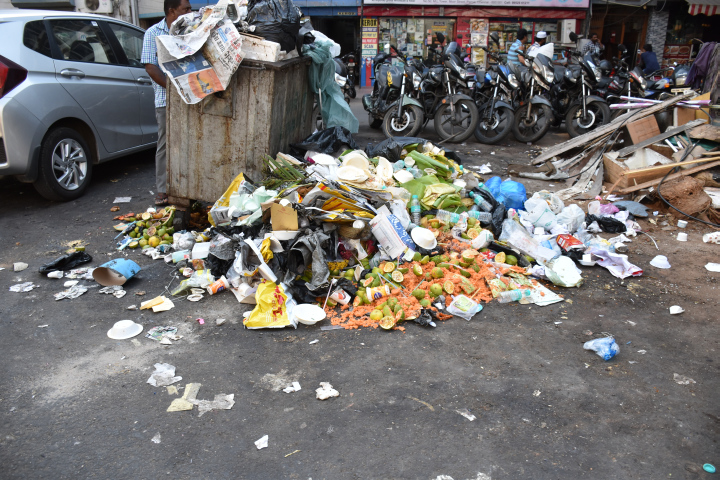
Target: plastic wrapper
{"x": 321, "y": 74}
{"x": 606, "y": 347}
{"x": 392, "y": 148}
{"x": 607, "y": 224}
{"x": 517, "y": 237}
{"x": 200, "y": 279}
{"x": 540, "y": 214}
{"x": 463, "y": 306}
{"x": 271, "y": 309}
{"x": 275, "y": 20}
{"x": 66, "y": 262}
{"x": 326, "y": 141}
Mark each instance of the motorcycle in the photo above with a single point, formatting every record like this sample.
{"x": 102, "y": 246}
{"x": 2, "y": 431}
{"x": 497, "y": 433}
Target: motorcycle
{"x": 349, "y": 60}
{"x": 495, "y": 109}
{"x": 454, "y": 114}
{"x": 398, "y": 112}
{"x": 534, "y": 114}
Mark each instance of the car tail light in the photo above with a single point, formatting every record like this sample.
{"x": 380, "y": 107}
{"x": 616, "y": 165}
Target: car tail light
{"x": 11, "y": 75}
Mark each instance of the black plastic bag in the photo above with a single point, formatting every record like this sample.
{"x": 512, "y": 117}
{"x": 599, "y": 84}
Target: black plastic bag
{"x": 607, "y": 224}
{"x": 326, "y": 141}
{"x": 391, "y": 148}
{"x": 498, "y": 211}
{"x": 277, "y": 21}
{"x": 66, "y": 262}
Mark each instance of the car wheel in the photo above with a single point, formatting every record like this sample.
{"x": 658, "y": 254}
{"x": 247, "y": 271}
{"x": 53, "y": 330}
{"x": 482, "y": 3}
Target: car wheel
{"x": 65, "y": 165}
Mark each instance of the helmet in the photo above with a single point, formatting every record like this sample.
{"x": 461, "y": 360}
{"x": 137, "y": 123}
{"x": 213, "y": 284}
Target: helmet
{"x": 605, "y": 65}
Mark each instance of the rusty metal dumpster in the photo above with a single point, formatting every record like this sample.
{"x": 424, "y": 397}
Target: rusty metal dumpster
{"x": 266, "y": 107}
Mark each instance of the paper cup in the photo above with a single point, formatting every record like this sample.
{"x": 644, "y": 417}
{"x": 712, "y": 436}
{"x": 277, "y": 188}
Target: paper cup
{"x": 115, "y": 272}
{"x": 682, "y": 237}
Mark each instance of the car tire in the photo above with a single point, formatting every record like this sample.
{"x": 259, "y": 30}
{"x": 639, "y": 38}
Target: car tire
{"x": 65, "y": 165}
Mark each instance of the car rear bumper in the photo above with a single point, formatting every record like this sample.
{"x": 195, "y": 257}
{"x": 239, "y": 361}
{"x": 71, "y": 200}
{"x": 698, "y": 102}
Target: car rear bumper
{"x": 19, "y": 141}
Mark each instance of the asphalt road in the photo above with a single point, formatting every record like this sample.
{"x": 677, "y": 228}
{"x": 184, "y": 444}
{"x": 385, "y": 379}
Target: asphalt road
{"x": 75, "y": 404}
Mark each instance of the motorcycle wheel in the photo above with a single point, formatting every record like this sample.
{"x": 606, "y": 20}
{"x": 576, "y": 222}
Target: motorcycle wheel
{"x": 533, "y": 130}
{"x": 459, "y": 126}
{"x": 352, "y": 92}
{"x": 492, "y": 130}
{"x": 598, "y": 113}
{"x": 317, "y": 117}
{"x": 374, "y": 122}
{"x": 406, "y": 126}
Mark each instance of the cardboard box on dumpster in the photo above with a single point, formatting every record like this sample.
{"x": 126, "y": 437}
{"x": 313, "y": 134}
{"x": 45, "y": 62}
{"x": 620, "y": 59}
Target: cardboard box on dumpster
{"x": 283, "y": 217}
{"x": 256, "y": 48}
{"x": 643, "y": 129}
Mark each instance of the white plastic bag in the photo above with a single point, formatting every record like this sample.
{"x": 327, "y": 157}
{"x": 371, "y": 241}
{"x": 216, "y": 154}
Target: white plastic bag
{"x": 539, "y": 213}
{"x": 554, "y": 202}
{"x": 572, "y": 217}
{"x": 563, "y": 272}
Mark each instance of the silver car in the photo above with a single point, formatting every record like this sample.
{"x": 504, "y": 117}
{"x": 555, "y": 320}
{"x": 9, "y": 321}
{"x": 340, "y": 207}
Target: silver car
{"x": 73, "y": 93}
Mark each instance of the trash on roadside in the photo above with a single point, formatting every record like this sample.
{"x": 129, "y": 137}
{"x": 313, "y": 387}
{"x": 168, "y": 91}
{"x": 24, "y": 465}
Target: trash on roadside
{"x": 19, "y": 266}
{"x": 158, "y": 304}
{"x": 161, "y": 333}
{"x": 713, "y": 237}
{"x": 122, "y": 200}
{"x": 682, "y": 379}
{"x": 660, "y": 261}
{"x": 262, "y": 442}
{"x": 124, "y": 329}
{"x": 326, "y": 391}
{"x": 115, "y": 290}
{"x": 606, "y": 347}
{"x": 73, "y": 292}
{"x": 157, "y": 438}
{"x": 185, "y": 403}
{"x": 712, "y": 267}
{"x": 115, "y": 272}
{"x": 66, "y": 262}
{"x": 23, "y": 287}
{"x": 466, "y": 413}
{"x": 295, "y": 387}
{"x": 220, "y": 402}
{"x": 676, "y": 309}
{"x": 163, "y": 375}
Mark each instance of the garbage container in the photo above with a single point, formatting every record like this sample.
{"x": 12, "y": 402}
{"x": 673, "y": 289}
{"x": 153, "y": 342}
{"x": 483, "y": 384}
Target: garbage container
{"x": 267, "y": 106}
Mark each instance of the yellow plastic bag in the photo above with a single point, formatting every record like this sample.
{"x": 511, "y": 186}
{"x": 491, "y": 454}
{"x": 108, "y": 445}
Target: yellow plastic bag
{"x": 271, "y": 308}
{"x": 224, "y": 200}
{"x": 267, "y": 254}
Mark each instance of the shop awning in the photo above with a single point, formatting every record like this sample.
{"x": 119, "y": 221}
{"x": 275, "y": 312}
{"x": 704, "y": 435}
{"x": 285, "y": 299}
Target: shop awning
{"x": 472, "y": 12}
{"x": 704, "y": 7}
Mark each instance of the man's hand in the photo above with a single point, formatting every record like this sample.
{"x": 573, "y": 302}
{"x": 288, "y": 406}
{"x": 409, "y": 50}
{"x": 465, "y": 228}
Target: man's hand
{"x": 156, "y": 74}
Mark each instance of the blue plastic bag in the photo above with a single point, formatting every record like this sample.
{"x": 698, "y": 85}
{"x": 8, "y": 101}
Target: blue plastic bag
{"x": 510, "y": 193}
{"x": 605, "y": 347}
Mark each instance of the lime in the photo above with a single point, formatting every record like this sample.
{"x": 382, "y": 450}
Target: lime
{"x": 387, "y": 322}
{"x": 397, "y": 276}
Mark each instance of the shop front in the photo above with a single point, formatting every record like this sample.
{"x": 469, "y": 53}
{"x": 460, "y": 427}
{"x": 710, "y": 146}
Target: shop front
{"x": 338, "y": 19}
{"x": 414, "y": 29}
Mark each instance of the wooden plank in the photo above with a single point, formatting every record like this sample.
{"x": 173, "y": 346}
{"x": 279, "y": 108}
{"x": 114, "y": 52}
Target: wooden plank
{"x": 655, "y": 182}
{"x": 673, "y": 131}
{"x": 592, "y": 135}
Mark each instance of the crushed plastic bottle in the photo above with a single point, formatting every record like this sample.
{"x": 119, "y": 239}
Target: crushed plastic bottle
{"x": 483, "y": 204}
{"x": 513, "y": 295}
{"x": 482, "y": 217}
{"x": 447, "y": 217}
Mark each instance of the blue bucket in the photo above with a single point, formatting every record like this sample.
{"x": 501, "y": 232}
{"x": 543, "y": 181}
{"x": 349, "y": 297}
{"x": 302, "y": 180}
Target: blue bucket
{"x": 115, "y": 272}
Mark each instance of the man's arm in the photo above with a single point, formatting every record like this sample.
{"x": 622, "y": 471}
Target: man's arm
{"x": 156, "y": 74}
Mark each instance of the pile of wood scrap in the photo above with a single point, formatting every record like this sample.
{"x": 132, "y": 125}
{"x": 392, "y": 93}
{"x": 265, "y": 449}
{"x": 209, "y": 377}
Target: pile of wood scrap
{"x": 630, "y": 154}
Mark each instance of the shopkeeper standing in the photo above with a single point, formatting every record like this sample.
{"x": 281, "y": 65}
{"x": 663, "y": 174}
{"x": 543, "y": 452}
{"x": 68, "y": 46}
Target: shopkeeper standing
{"x": 173, "y": 9}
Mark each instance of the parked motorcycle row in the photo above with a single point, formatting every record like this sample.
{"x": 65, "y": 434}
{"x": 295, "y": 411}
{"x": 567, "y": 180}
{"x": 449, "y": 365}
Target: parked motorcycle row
{"x": 464, "y": 100}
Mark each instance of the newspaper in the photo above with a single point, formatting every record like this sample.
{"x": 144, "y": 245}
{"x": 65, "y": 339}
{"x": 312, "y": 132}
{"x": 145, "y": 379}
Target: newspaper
{"x": 201, "y": 62}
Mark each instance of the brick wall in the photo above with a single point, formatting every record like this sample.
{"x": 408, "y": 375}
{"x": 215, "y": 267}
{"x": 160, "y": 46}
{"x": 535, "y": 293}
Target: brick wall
{"x": 656, "y": 32}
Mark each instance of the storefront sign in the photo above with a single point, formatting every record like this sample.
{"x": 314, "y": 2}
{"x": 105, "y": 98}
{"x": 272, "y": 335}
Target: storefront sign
{"x": 490, "y": 3}
{"x": 369, "y": 50}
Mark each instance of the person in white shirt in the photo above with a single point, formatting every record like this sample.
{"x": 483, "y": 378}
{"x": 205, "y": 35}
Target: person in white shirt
{"x": 541, "y": 46}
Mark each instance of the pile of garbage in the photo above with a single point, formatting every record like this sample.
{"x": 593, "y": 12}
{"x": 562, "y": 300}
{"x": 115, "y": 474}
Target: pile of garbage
{"x": 377, "y": 238}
